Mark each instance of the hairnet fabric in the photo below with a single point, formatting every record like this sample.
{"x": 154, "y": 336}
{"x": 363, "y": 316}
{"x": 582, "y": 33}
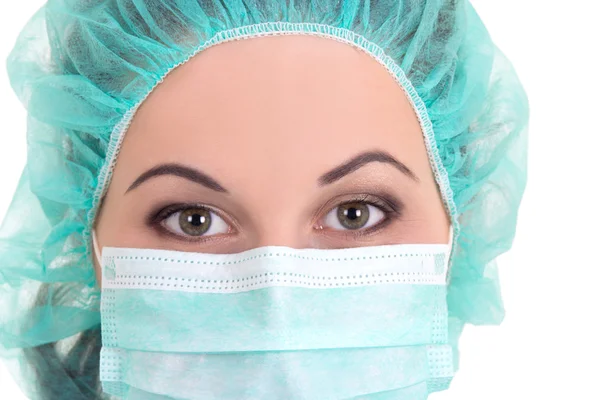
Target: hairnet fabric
{"x": 81, "y": 68}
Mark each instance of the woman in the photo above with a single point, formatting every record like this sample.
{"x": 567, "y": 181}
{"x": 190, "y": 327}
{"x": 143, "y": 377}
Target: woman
{"x": 312, "y": 212}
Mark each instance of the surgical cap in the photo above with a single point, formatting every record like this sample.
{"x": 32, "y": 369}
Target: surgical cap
{"x": 81, "y": 68}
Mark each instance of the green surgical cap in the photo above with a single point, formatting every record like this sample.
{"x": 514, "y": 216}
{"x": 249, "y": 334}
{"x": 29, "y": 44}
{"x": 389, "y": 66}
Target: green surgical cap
{"x": 82, "y": 68}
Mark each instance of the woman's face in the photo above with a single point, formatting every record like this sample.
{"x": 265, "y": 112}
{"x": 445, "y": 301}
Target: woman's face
{"x": 298, "y": 141}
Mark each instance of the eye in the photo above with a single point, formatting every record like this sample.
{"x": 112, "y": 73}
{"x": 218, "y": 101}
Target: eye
{"x": 354, "y": 215}
{"x": 195, "y": 221}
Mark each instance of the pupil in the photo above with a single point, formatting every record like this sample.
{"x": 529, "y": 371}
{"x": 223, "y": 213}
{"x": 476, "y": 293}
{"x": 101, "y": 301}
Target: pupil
{"x": 196, "y": 219}
{"x": 353, "y": 213}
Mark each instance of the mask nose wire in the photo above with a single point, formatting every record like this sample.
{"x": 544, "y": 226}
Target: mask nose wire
{"x": 96, "y": 249}
{"x": 97, "y": 252}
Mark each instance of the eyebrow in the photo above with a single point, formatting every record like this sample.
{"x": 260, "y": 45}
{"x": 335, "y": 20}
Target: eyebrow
{"x": 359, "y": 161}
{"x": 327, "y": 178}
{"x": 176, "y": 169}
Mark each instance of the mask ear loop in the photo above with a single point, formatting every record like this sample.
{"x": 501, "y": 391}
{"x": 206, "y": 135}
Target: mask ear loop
{"x": 96, "y": 249}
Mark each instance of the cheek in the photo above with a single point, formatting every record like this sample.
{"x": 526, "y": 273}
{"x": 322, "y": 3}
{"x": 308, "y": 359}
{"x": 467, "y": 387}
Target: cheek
{"x": 437, "y": 232}
{"x": 438, "y": 223}
{"x": 426, "y": 220}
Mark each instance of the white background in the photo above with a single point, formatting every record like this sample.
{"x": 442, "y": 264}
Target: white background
{"x": 547, "y": 347}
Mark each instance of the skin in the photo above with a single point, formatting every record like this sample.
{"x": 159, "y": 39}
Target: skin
{"x": 266, "y": 117}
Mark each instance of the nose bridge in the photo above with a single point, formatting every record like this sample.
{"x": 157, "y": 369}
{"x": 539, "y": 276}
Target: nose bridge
{"x": 276, "y": 200}
{"x": 280, "y": 230}
{"x": 280, "y": 220}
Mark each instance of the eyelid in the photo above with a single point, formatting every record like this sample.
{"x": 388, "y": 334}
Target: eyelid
{"x": 217, "y": 225}
{"x": 156, "y": 220}
{"x": 171, "y": 209}
{"x": 390, "y": 205}
{"x": 387, "y": 202}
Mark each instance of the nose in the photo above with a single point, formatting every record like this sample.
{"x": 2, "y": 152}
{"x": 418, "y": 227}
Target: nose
{"x": 281, "y": 234}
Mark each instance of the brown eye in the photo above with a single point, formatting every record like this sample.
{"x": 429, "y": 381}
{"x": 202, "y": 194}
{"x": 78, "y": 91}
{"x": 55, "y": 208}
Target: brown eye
{"x": 354, "y": 215}
{"x": 195, "y": 221}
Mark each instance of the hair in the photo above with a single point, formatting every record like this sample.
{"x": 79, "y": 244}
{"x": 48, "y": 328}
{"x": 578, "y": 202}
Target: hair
{"x": 75, "y": 375}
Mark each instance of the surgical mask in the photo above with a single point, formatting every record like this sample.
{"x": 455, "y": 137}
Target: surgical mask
{"x": 275, "y": 322}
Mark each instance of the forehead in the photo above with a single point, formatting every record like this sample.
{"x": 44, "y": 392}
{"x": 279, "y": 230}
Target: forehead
{"x": 271, "y": 105}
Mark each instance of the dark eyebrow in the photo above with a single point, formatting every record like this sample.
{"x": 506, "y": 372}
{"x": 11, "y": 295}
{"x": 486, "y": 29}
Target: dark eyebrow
{"x": 333, "y": 175}
{"x": 360, "y": 160}
{"x": 178, "y": 170}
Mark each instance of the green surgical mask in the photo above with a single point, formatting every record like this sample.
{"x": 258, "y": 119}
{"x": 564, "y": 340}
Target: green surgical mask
{"x": 276, "y": 322}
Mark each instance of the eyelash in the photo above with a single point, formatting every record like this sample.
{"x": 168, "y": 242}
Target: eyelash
{"x": 391, "y": 208}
